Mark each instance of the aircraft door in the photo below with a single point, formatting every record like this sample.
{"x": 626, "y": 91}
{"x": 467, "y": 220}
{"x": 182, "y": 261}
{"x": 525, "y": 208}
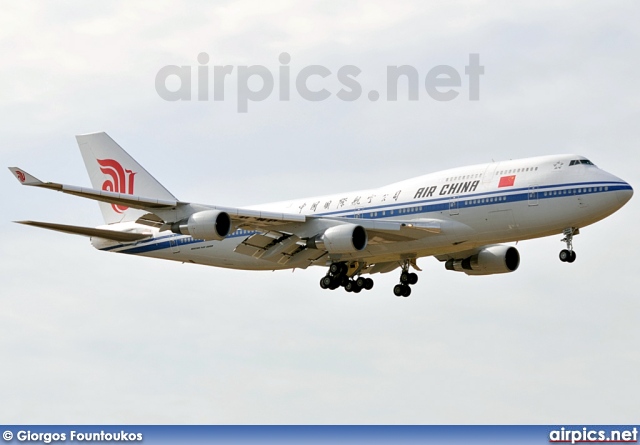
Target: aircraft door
{"x": 453, "y": 206}
{"x": 533, "y": 195}
{"x": 489, "y": 172}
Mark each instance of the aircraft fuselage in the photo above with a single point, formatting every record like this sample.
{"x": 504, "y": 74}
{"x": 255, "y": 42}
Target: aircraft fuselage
{"x": 474, "y": 206}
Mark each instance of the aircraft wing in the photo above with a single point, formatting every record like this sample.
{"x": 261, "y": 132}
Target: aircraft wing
{"x": 278, "y": 233}
{"x": 287, "y": 245}
{"x": 137, "y": 202}
{"x": 162, "y": 211}
{"x": 122, "y": 237}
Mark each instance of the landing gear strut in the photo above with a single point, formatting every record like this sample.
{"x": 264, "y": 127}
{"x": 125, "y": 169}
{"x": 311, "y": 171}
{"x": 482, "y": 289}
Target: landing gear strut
{"x": 338, "y": 276}
{"x": 406, "y": 279}
{"x": 568, "y": 255}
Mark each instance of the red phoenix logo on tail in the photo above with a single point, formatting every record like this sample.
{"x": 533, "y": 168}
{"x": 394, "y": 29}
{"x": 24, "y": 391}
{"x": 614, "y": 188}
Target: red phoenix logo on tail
{"x": 20, "y": 176}
{"x": 121, "y": 180}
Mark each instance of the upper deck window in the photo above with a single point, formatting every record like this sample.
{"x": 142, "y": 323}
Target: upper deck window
{"x": 581, "y": 161}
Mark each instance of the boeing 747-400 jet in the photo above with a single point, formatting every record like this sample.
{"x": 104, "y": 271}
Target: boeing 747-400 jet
{"x": 460, "y": 216}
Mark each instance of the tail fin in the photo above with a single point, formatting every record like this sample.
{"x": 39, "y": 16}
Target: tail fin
{"x": 113, "y": 169}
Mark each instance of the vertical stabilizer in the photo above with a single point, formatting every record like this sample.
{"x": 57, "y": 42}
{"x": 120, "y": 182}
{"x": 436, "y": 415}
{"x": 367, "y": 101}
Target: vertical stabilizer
{"x": 113, "y": 169}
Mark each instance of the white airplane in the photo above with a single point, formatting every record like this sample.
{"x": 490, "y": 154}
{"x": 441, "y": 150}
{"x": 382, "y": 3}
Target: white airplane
{"x": 458, "y": 215}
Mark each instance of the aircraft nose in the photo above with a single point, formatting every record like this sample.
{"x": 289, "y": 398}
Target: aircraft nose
{"x": 624, "y": 194}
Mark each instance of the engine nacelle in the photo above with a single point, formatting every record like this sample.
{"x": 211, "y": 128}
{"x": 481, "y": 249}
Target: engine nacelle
{"x": 488, "y": 261}
{"x": 345, "y": 238}
{"x": 206, "y": 225}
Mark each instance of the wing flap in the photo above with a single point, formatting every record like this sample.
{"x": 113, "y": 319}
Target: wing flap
{"x": 281, "y": 248}
{"x": 268, "y": 245}
{"x": 302, "y": 258}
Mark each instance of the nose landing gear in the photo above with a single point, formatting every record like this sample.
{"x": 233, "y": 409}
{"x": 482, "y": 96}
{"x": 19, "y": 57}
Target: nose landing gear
{"x": 568, "y": 255}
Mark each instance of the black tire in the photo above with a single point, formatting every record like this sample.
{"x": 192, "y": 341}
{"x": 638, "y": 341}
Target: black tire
{"x": 325, "y": 282}
{"x": 404, "y": 277}
{"x": 335, "y": 268}
{"x": 413, "y": 278}
{"x": 360, "y": 282}
{"x": 564, "y": 255}
{"x": 350, "y": 286}
{"x": 398, "y": 289}
{"x": 572, "y": 257}
{"x": 356, "y": 289}
{"x": 368, "y": 283}
{"x": 406, "y": 291}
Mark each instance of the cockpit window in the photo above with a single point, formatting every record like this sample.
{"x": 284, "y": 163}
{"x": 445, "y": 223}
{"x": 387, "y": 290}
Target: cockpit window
{"x": 581, "y": 161}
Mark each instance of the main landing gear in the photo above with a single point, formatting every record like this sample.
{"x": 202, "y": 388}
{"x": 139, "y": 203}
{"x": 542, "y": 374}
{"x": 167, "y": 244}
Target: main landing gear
{"x": 346, "y": 275}
{"x": 406, "y": 279}
{"x": 338, "y": 276}
{"x": 568, "y": 255}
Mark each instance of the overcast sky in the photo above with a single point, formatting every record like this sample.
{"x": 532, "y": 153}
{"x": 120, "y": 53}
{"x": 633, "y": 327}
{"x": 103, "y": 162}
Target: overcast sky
{"x": 92, "y": 337}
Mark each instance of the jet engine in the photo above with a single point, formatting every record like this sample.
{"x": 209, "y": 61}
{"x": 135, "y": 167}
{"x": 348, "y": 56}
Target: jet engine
{"x": 488, "y": 261}
{"x": 206, "y": 225}
{"x": 345, "y": 238}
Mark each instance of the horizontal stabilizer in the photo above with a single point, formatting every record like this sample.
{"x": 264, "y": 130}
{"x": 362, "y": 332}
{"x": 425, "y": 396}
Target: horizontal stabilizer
{"x": 122, "y": 237}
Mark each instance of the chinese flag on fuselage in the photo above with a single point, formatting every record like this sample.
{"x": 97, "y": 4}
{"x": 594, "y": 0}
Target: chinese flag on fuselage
{"x": 507, "y": 181}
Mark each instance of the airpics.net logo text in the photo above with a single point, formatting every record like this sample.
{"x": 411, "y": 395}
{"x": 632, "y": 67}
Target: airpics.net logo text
{"x": 255, "y": 83}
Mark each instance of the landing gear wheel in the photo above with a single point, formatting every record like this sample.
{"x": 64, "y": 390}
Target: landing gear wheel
{"x": 325, "y": 282}
{"x": 336, "y": 277}
{"x": 360, "y": 282}
{"x": 568, "y": 255}
{"x": 406, "y": 279}
{"x": 368, "y": 283}
{"x": 350, "y": 286}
